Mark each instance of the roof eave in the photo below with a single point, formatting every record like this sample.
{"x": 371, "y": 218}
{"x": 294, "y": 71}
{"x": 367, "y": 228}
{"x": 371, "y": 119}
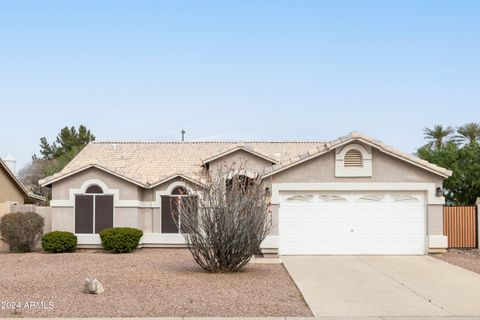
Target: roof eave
{"x": 177, "y": 175}
{"x": 238, "y": 148}
{"x": 48, "y": 181}
{"x": 36, "y": 197}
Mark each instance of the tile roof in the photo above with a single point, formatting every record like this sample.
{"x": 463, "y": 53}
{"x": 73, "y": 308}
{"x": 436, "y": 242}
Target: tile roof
{"x": 148, "y": 163}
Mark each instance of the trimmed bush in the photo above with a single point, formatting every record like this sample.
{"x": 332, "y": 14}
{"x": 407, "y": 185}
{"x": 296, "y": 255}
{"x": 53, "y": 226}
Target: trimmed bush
{"x": 120, "y": 240}
{"x": 59, "y": 241}
{"x": 21, "y": 230}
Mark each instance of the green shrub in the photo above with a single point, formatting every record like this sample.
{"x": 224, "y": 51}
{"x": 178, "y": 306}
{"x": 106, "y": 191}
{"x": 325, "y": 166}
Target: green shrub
{"x": 59, "y": 241}
{"x": 120, "y": 240}
{"x": 21, "y": 230}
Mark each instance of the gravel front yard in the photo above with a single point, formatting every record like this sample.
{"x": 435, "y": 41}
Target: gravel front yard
{"x": 468, "y": 259}
{"x": 148, "y": 282}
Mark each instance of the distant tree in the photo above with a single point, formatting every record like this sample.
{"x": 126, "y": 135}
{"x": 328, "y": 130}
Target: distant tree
{"x": 463, "y": 187}
{"x": 30, "y": 174}
{"x": 468, "y": 133}
{"x": 438, "y": 135}
{"x": 67, "y": 141}
{"x": 68, "y": 144}
{"x": 54, "y": 156}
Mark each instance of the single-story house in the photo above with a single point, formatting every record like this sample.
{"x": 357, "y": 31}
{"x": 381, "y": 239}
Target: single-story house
{"x": 353, "y": 195}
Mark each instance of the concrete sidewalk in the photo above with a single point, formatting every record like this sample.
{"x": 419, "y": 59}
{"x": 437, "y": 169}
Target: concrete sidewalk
{"x": 385, "y": 286}
{"x": 275, "y": 318}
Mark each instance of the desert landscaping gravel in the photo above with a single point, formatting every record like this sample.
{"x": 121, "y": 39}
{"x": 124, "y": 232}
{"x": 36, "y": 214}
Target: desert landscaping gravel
{"x": 145, "y": 283}
{"x": 467, "y": 259}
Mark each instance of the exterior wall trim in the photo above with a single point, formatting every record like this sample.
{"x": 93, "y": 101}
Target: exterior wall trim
{"x": 361, "y": 186}
{"x": 437, "y": 241}
{"x": 118, "y": 202}
{"x": 270, "y": 242}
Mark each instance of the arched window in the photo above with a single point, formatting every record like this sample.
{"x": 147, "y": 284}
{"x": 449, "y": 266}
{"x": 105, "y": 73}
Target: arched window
{"x": 179, "y": 191}
{"x": 170, "y": 207}
{"x": 353, "y": 158}
{"x": 94, "y": 189}
{"x": 93, "y": 210}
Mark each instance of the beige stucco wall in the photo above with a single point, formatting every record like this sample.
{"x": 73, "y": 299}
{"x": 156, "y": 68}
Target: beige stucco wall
{"x": 63, "y": 219}
{"x": 126, "y": 217}
{"x": 127, "y": 190}
{"x": 275, "y": 218}
{"x": 146, "y": 219}
{"x": 385, "y": 168}
{"x": 9, "y": 191}
{"x": 435, "y": 219}
{"x": 4, "y": 209}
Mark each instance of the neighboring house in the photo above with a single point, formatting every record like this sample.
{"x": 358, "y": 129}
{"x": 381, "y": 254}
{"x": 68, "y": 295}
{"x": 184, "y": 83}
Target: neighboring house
{"x": 12, "y": 191}
{"x": 353, "y": 195}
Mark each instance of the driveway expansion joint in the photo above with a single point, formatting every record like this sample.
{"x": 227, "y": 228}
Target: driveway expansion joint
{"x": 405, "y": 286}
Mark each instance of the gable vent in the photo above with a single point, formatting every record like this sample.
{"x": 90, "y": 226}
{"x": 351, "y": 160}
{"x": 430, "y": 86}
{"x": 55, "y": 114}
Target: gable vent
{"x": 353, "y": 158}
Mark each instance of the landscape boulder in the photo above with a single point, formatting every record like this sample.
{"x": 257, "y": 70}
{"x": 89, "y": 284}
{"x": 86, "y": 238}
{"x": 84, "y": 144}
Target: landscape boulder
{"x": 93, "y": 286}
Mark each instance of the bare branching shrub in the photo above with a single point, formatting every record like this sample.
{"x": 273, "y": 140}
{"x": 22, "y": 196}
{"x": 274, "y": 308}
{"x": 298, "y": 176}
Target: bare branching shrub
{"x": 21, "y": 231}
{"x": 226, "y": 221}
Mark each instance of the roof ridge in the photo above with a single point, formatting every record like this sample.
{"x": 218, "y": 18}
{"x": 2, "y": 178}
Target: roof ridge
{"x": 202, "y": 142}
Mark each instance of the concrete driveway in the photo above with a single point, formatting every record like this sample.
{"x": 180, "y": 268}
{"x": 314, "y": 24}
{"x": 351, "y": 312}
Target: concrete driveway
{"x": 383, "y": 286}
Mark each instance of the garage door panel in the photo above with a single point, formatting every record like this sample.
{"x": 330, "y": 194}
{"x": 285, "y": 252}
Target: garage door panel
{"x": 299, "y": 234}
{"x": 390, "y": 247}
{"x": 379, "y": 224}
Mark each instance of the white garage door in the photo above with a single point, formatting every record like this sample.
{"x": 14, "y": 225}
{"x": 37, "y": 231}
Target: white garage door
{"x": 351, "y": 223}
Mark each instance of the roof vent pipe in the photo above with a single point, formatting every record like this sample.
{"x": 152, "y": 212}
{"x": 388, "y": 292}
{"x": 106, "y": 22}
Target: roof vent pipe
{"x": 183, "y": 135}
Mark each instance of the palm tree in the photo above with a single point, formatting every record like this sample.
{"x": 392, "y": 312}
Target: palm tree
{"x": 437, "y": 134}
{"x": 468, "y": 133}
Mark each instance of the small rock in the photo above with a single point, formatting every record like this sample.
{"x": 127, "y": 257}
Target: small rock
{"x": 92, "y": 285}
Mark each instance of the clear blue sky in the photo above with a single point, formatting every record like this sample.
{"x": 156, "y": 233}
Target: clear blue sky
{"x": 236, "y": 70}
